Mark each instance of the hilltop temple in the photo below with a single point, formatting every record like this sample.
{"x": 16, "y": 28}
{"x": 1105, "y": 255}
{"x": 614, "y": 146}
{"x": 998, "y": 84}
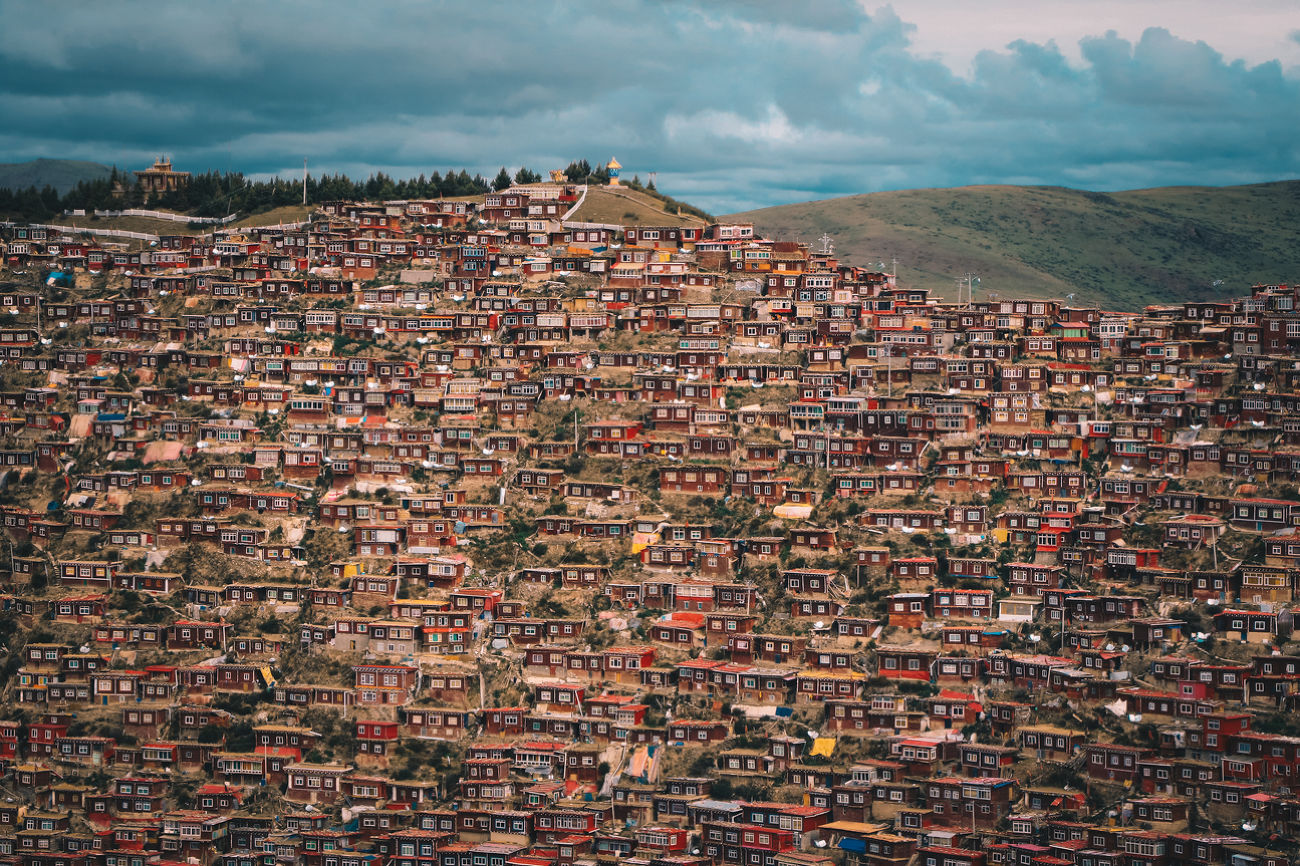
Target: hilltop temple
{"x": 160, "y": 178}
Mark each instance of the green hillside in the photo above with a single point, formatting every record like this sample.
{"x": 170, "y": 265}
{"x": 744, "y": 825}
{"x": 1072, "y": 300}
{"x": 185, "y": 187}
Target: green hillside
{"x": 629, "y": 206}
{"x": 62, "y": 174}
{"x": 1122, "y": 249}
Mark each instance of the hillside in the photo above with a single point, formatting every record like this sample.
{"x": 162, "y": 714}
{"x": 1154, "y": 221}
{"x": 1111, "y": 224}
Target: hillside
{"x": 62, "y": 174}
{"x": 625, "y": 206}
{"x": 286, "y": 214}
{"x": 1122, "y": 249}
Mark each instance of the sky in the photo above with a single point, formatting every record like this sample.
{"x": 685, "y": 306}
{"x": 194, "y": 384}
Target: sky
{"x": 733, "y": 104}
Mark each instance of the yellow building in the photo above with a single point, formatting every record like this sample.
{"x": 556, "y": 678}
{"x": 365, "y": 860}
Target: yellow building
{"x": 159, "y": 178}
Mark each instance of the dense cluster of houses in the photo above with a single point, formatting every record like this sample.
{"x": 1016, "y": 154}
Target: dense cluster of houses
{"x": 667, "y": 544}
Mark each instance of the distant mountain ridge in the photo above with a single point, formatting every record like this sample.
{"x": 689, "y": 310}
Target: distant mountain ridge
{"x": 1121, "y": 249}
{"x": 62, "y": 174}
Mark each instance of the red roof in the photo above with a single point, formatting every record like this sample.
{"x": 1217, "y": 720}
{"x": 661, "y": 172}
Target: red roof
{"x": 955, "y": 696}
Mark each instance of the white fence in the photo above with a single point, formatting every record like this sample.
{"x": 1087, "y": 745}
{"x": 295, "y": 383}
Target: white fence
{"x": 107, "y": 233}
{"x": 163, "y": 215}
{"x": 145, "y": 236}
{"x": 577, "y": 204}
{"x": 570, "y": 224}
{"x": 296, "y": 225}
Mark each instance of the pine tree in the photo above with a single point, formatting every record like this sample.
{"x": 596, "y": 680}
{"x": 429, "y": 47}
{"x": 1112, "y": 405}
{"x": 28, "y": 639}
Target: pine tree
{"x": 577, "y": 171}
{"x": 502, "y": 180}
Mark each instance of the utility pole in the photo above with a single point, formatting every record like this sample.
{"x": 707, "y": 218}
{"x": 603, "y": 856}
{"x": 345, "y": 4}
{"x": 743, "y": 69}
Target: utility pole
{"x": 304, "y": 181}
{"x": 889, "y": 348}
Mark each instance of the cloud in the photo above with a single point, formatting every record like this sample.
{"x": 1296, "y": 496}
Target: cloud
{"x": 773, "y": 130}
{"x": 734, "y": 103}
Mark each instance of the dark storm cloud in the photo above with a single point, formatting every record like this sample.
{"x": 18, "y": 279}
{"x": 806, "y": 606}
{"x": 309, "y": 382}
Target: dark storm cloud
{"x": 735, "y": 103}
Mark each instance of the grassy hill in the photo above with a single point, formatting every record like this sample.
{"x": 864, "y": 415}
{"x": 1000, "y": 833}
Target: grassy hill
{"x": 624, "y": 206}
{"x": 1121, "y": 249}
{"x": 148, "y": 225}
{"x": 62, "y": 174}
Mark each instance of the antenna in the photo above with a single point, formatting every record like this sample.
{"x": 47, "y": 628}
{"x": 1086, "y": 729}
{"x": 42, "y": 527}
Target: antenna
{"x": 304, "y": 181}
{"x": 828, "y": 244}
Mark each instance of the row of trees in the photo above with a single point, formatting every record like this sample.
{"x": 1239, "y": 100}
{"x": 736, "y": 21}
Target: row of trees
{"x": 216, "y": 194}
{"x": 524, "y": 175}
{"x": 578, "y": 171}
{"x": 31, "y": 204}
{"x": 581, "y": 171}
